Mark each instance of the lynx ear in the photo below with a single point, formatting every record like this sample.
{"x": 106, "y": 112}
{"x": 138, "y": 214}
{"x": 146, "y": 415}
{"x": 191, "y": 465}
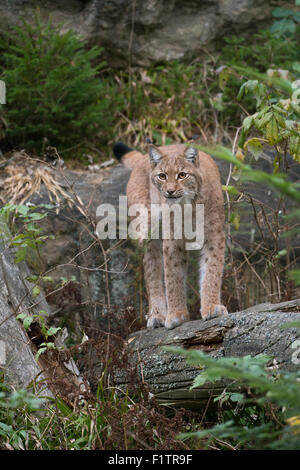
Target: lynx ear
{"x": 191, "y": 154}
{"x": 155, "y": 155}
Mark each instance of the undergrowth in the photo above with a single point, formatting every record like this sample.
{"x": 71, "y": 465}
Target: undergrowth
{"x": 106, "y": 418}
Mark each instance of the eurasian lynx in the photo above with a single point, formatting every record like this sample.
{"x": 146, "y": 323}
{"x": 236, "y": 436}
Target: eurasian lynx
{"x": 177, "y": 174}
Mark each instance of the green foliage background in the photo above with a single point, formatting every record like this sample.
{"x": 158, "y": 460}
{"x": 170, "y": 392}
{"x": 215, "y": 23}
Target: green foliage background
{"x": 55, "y": 95}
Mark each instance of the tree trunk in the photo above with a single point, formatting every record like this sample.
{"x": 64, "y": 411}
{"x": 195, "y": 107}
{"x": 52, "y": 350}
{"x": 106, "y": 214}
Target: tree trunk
{"x": 54, "y": 373}
{"x": 169, "y": 377}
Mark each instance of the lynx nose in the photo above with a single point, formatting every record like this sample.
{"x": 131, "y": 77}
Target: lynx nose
{"x": 170, "y": 191}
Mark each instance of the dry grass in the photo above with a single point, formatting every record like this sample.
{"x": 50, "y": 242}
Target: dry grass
{"x": 24, "y": 176}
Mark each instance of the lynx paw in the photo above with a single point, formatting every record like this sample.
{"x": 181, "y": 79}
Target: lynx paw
{"x": 175, "y": 319}
{"x": 155, "y": 322}
{"x": 155, "y": 319}
{"x": 212, "y": 311}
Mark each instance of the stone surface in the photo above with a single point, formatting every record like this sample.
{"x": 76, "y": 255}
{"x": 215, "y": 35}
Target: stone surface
{"x": 141, "y": 32}
{"x": 76, "y": 252}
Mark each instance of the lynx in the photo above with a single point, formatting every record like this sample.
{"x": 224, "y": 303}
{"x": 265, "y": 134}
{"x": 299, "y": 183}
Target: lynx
{"x": 177, "y": 174}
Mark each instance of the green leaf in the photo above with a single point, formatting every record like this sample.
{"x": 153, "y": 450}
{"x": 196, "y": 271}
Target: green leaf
{"x": 295, "y": 344}
{"x": 230, "y": 189}
{"x": 263, "y": 121}
{"x": 198, "y": 381}
{"x": 247, "y": 123}
{"x": 32, "y": 278}
{"x": 47, "y": 279}
{"x": 224, "y": 75}
{"x": 294, "y": 147}
{"x": 26, "y": 319}
{"x": 21, "y": 316}
{"x": 236, "y": 397}
{"x": 39, "y": 352}
{"x": 6, "y": 427}
{"x": 254, "y": 146}
{"x": 36, "y": 216}
{"x": 295, "y": 276}
{"x": 27, "y": 322}
{"x": 296, "y": 16}
{"x": 157, "y": 137}
{"x": 296, "y": 108}
{"x": 276, "y": 181}
{"x": 272, "y": 131}
{"x": 52, "y": 331}
{"x": 283, "y": 26}
{"x": 21, "y": 254}
{"x": 281, "y": 12}
{"x": 235, "y": 220}
{"x": 282, "y": 252}
{"x": 35, "y": 291}
{"x": 23, "y": 210}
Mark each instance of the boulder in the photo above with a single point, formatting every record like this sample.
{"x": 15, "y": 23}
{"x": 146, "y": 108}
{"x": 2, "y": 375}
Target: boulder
{"x": 114, "y": 281}
{"x": 142, "y": 32}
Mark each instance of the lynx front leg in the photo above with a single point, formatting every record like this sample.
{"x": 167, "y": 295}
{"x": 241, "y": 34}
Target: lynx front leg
{"x": 175, "y": 261}
{"x": 153, "y": 274}
{"x": 211, "y": 270}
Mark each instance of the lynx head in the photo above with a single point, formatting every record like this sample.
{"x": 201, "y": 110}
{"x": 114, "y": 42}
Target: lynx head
{"x": 175, "y": 176}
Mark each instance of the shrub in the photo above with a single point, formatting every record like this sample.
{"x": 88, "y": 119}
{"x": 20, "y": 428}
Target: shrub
{"x": 55, "y": 95}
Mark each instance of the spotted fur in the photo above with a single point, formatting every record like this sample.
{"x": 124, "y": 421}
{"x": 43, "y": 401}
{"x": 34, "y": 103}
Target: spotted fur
{"x": 159, "y": 177}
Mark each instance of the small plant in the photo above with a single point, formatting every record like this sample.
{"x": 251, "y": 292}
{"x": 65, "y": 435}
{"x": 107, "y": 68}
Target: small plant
{"x": 46, "y": 331}
{"x": 271, "y": 388}
{"x": 13, "y": 405}
{"x": 30, "y": 237}
{"x": 286, "y": 21}
{"x": 275, "y": 48}
{"x": 277, "y": 118}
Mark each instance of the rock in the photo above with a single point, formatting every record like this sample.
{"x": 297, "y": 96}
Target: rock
{"x": 70, "y": 254}
{"x": 143, "y": 32}
{"x": 76, "y": 253}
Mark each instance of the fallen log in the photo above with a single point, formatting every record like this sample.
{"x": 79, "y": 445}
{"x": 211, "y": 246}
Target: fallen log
{"x": 169, "y": 377}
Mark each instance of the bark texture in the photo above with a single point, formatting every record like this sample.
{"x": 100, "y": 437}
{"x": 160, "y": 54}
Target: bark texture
{"x": 255, "y": 331}
{"x": 54, "y": 373}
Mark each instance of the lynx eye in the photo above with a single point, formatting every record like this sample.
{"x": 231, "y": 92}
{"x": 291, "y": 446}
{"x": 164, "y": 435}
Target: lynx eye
{"x": 181, "y": 175}
{"x": 162, "y": 176}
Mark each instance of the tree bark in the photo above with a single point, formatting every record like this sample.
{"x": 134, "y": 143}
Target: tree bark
{"x": 169, "y": 377}
{"x": 54, "y": 373}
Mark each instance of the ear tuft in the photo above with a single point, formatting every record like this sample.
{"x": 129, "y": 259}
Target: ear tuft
{"x": 155, "y": 154}
{"x": 191, "y": 154}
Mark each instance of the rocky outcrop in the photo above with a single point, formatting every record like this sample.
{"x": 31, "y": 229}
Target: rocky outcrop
{"x": 141, "y": 32}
